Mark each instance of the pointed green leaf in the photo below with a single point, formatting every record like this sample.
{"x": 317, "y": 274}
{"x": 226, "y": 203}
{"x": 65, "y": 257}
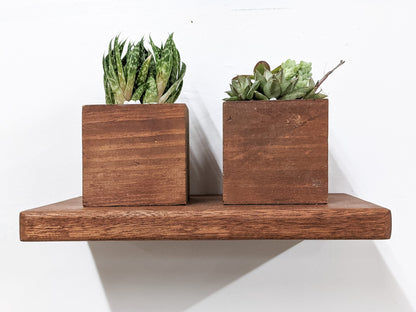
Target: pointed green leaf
{"x": 311, "y": 93}
{"x": 275, "y": 89}
{"x": 237, "y": 86}
{"x": 109, "y": 99}
{"x": 267, "y": 74}
{"x": 232, "y": 98}
{"x": 124, "y": 60}
{"x": 121, "y": 49}
{"x": 143, "y": 53}
{"x": 253, "y": 88}
{"x": 319, "y": 96}
{"x": 259, "y": 96}
{"x": 175, "y": 94}
{"x": 290, "y": 86}
{"x": 112, "y": 78}
{"x": 152, "y": 68}
{"x": 244, "y": 82}
{"x": 267, "y": 87}
{"x": 165, "y": 96}
{"x": 176, "y": 63}
{"x": 164, "y": 66}
{"x": 150, "y": 95}
{"x": 297, "y": 94}
{"x": 230, "y": 93}
{"x": 259, "y": 77}
{"x": 133, "y": 63}
{"x": 311, "y": 83}
{"x": 144, "y": 69}
{"x": 119, "y": 66}
{"x": 156, "y": 50}
{"x": 233, "y": 90}
{"x": 139, "y": 92}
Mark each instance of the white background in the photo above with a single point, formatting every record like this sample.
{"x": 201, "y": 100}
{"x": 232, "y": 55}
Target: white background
{"x": 50, "y": 65}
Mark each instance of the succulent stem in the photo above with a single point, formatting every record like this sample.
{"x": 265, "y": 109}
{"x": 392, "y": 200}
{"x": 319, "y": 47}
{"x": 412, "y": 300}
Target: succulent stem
{"x": 319, "y": 82}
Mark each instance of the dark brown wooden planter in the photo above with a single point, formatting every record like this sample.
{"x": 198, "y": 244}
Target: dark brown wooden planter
{"x": 135, "y": 154}
{"x": 275, "y": 152}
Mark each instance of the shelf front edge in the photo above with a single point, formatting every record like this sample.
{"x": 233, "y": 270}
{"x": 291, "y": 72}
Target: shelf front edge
{"x": 206, "y": 218}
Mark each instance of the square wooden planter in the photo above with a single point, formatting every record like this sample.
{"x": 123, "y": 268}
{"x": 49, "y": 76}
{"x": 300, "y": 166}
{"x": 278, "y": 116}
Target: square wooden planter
{"x": 275, "y": 152}
{"x": 135, "y": 154}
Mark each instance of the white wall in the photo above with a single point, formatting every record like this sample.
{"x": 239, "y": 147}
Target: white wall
{"x": 50, "y": 61}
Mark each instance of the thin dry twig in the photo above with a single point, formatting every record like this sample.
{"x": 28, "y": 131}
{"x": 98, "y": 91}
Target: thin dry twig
{"x": 327, "y": 74}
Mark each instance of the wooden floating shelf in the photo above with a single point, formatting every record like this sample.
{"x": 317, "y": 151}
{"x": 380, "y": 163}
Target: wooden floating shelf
{"x": 206, "y": 217}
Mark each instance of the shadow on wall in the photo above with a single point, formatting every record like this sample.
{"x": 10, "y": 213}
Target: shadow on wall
{"x": 205, "y": 173}
{"x": 174, "y": 275}
{"x": 341, "y": 276}
{"x": 338, "y": 182}
{"x": 314, "y": 276}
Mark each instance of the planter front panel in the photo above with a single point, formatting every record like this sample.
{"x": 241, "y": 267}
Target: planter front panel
{"x": 135, "y": 154}
{"x": 276, "y": 152}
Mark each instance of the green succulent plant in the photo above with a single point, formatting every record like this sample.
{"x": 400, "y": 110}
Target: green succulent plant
{"x": 288, "y": 81}
{"x": 140, "y": 75}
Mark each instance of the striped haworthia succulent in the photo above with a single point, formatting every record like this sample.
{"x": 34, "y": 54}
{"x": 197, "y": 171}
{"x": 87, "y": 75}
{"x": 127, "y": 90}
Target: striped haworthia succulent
{"x": 288, "y": 81}
{"x": 140, "y": 75}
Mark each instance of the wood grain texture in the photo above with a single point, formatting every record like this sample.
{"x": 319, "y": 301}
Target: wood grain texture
{"x": 135, "y": 154}
{"x": 206, "y": 217}
{"x": 275, "y": 152}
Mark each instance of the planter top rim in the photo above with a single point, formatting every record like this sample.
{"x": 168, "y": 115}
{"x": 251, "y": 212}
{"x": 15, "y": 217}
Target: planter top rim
{"x": 133, "y": 105}
{"x": 278, "y": 101}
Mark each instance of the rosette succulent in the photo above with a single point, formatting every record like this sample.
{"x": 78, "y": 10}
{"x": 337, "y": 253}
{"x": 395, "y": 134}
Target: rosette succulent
{"x": 288, "y": 81}
{"x": 140, "y": 75}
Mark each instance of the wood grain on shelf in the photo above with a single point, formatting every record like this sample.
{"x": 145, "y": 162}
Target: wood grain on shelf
{"x": 275, "y": 152}
{"x": 135, "y": 154}
{"x": 206, "y": 217}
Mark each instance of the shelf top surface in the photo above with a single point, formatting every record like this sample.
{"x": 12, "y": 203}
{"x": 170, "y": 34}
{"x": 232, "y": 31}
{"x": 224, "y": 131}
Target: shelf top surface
{"x": 206, "y": 217}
